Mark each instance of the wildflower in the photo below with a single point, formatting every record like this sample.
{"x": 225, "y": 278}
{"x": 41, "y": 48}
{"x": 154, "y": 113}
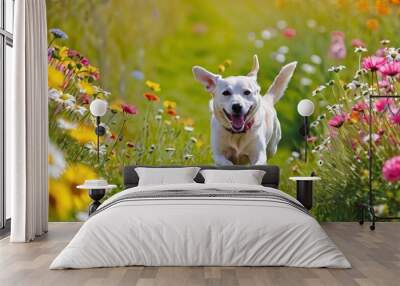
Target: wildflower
{"x": 295, "y": 154}
{"x": 167, "y": 122}
{"x": 83, "y": 134}
{"x": 92, "y": 148}
{"x": 311, "y": 23}
{"x": 320, "y": 163}
{"x": 130, "y": 144}
{"x": 382, "y": 7}
{"x": 391, "y": 169}
{"x": 315, "y": 59}
{"x": 281, "y": 24}
{"x": 188, "y": 128}
{"x": 372, "y": 24}
{"x": 395, "y": 118}
{"x": 188, "y": 156}
{"x": 152, "y": 148}
{"x": 228, "y": 62}
{"x": 171, "y": 111}
{"x": 170, "y": 149}
{"x": 338, "y": 120}
{"x": 321, "y": 117}
{"x": 193, "y": 139}
{"x": 363, "y": 6}
{"x": 221, "y": 68}
{"x": 129, "y": 109}
{"x": 169, "y": 104}
{"x": 360, "y": 106}
{"x": 337, "y": 48}
{"x": 85, "y": 61}
{"x": 151, "y": 97}
{"x": 336, "y": 69}
{"x": 65, "y": 124}
{"x": 259, "y": 44}
{"x": 390, "y": 69}
{"x": 310, "y": 69}
{"x": 318, "y": 90}
{"x": 311, "y": 139}
{"x": 280, "y": 58}
{"x": 56, "y": 161}
{"x": 75, "y": 108}
{"x": 305, "y": 81}
{"x": 87, "y": 88}
{"x": 55, "y": 78}
{"x": 289, "y": 33}
{"x": 385, "y": 42}
{"x": 153, "y": 85}
{"x": 59, "y": 34}
{"x": 137, "y": 74}
{"x": 360, "y": 50}
{"x": 188, "y": 122}
{"x": 158, "y": 117}
{"x": 330, "y": 83}
{"x": 283, "y": 50}
{"x": 266, "y": 34}
{"x": 314, "y": 124}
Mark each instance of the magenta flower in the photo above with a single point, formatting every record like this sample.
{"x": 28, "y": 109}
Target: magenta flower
{"x": 395, "y": 118}
{"x": 289, "y": 33}
{"x": 382, "y": 104}
{"x": 391, "y": 169}
{"x": 337, "y": 48}
{"x": 356, "y": 43}
{"x": 390, "y": 69}
{"x": 373, "y": 63}
{"x": 338, "y": 120}
{"x": 360, "y": 106}
{"x": 128, "y": 108}
{"x": 85, "y": 61}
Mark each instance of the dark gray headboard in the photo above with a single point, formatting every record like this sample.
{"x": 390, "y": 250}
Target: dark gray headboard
{"x": 271, "y": 177}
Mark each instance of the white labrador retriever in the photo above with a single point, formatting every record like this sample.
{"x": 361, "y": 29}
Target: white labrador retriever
{"x": 244, "y": 125}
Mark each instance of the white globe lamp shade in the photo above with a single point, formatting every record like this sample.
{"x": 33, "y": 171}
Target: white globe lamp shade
{"x": 305, "y": 107}
{"x": 98, "y": 107}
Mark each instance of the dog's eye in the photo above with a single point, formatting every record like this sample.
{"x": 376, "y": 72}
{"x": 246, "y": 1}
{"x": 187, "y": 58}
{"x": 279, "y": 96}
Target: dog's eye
{"x": 247, "y": 92}
{"x": 226, "y": 93}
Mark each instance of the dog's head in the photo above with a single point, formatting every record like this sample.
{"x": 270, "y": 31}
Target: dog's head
{"x": 236, "y": 99}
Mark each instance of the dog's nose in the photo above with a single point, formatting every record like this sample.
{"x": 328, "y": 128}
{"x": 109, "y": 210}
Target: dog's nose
{"x": 236, "y": 107}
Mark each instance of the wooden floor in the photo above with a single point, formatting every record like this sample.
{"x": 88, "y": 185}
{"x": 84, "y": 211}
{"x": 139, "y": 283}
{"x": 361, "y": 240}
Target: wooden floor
{"x": 375, "y": 257}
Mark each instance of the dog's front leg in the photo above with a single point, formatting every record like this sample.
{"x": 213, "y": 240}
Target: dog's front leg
{"x": 220, "y": 160}
{"x": 258, "y": 156}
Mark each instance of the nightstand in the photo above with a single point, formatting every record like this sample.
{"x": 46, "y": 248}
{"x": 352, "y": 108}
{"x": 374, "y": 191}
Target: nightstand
{"x": 96, "y": 193}
{"x": 304, "y": 191}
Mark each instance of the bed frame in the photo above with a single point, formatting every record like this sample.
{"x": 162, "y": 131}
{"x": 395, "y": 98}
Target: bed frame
{"x": 270, "y": 179}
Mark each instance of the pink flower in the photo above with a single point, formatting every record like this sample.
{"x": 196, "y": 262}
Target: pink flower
{"x": 381, "y": 104}
{"x": 391, "y": 169}
{"x": 72, "y": 53}
{"x": 128, "y": 108}
{"x": 360, "y": 106}
{"x": 289, "y": 33}
{"x": 395, "y": 118}
{"x": 337, "y": 48}
{"x": 373, "y": 63}
{"x": 390, "y": 69}
{"x": 357, "y": 43}
{"x": 85, "y": 61}
{"x": 385, "y": 85}
{"x": 338, "y": 120}
{"x": 311, "y": 139}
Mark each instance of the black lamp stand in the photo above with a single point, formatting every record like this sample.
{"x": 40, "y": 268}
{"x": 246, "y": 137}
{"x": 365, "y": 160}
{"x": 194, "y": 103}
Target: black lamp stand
{"x": 369, "y": 206}
{"x": 305, "y": 132}
{"x": 100, "y": 131}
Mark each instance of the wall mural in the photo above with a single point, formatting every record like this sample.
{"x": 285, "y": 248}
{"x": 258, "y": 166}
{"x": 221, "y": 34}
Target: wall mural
{"x": 180, "y": 78}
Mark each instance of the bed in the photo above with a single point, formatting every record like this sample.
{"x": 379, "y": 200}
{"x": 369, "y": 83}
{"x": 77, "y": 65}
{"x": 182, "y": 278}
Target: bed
{"x": 198, "y": 224}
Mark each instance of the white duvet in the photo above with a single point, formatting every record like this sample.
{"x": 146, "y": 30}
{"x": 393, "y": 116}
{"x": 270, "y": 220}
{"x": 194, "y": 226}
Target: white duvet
{"x": 200, "y": 231}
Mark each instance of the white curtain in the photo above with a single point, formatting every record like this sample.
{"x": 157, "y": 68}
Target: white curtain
{"x": 27, "y": 124}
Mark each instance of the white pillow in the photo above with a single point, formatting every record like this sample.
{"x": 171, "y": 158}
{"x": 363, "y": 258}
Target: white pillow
{"x": 166, "y": 176}
{"x": 248, "y": 177}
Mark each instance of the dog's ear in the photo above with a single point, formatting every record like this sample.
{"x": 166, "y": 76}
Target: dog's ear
{"x": 255, "y": 68}
{"x": 281, "y": 82}
{"x": 208, "y": 79}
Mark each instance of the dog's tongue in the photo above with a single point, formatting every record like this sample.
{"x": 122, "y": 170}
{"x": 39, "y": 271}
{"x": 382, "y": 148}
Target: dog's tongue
{"x": 237, "y": 122}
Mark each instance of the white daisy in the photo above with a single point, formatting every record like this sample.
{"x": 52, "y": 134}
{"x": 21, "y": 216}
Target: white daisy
{"x": 56, "y": 161}
{"x": 310, "y": 69}
{"x": 65, "y": 124}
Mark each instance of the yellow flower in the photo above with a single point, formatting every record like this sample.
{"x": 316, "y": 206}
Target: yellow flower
{"x": 63, "y": 52}
{"x": 169, "y": 104}
{"x": 228, "y": 62}
{"x": 60, "y": 201}
{"x": 167, "y": 122}
{"x": 153, "y": 85}
{"x": 199, "y": 143}
{"x": 382, "y": 7}
{"x": 75, "y": 175}
{"x": 87, "y": 88}
{"x": 116, "y": 106}
{"x": 221, "y": 68}
{"x": 372, "y": 24}
{"x": 55, "y": 78}
{"x": 279, "y": 3}
{"x": 188, "y": 121}
{"x": 363, "y": 6}
{"x": 83, "y": 134}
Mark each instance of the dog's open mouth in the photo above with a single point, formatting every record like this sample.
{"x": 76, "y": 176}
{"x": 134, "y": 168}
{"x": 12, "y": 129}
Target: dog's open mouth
{"x": 237, "y": 121}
